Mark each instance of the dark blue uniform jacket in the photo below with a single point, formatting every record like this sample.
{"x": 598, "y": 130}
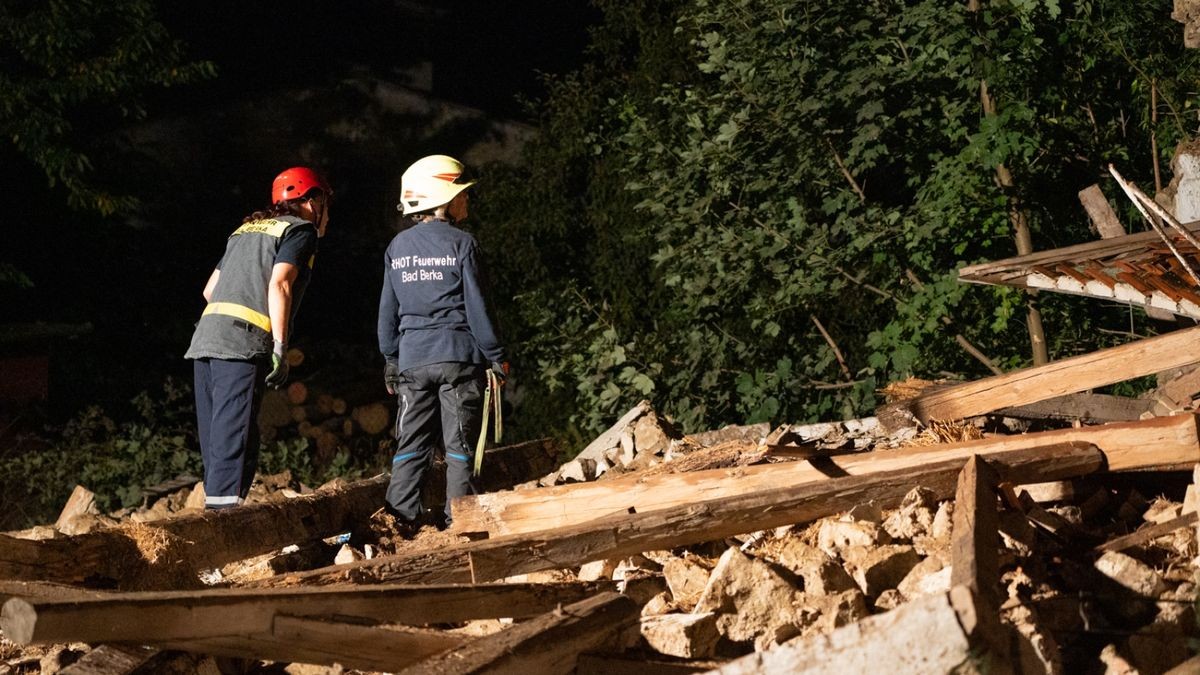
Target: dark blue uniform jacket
{"x": 432, "y": 307}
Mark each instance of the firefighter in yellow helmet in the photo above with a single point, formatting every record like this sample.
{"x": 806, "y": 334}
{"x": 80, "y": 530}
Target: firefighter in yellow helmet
{"x": 436, "y": 335}
{"x": 241, "y": 338}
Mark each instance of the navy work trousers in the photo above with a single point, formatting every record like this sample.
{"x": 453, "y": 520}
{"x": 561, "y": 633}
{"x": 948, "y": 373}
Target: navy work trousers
{"x": 227, "y": 398}
{"x": 439, "y": 404}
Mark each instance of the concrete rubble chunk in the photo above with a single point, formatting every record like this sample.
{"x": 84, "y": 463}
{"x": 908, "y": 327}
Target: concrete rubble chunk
{"x": 649, "y": 436}
{"x": 822, "y": 575}
{"x": 915, "y": 515}
{"x": 1161, "y": 511}
{"x": 659, "y": 604}
{"x": 749, "y": 598}
{"x": 870, "y": 512}
{"x": 1037, "y": 651}
{"x": 1131, "y": 573}
{"x": 927, "y": 577}
{"x": 835, "y": 535}
{"x": 889, "y": 600}
{"x": 597, "y": 569}
{"x": 688, "y": 636}
{"x": 878, "y": 569}
{"x": 1115, "y": 663}
{"x": 943, "y": 522}
{"x": 686, "y": 579}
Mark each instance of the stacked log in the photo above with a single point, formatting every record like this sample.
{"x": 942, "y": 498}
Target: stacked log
{"x": 330, "y": 423}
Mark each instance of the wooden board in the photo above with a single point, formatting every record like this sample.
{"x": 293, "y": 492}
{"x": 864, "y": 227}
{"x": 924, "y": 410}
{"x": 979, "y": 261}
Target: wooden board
{"x": 158, "y": 617}
{"x": 1091, "y": 408}
{"x": 1161, "y": 443}
{"x": 323, "y": 642}
{"x": 1067, "y": 376}
{"x": 694, "y": 522}
{"x": 1147, "y": 534}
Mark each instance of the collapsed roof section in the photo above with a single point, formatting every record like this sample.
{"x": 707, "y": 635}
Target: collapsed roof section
{"x": 1138, "y": 269}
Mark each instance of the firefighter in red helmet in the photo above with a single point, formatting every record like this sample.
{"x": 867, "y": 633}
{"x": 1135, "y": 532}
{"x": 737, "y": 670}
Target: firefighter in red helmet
{"x": 240, "y": 341}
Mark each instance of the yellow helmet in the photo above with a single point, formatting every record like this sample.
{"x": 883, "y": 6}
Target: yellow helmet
{"x": 430, "y": 183}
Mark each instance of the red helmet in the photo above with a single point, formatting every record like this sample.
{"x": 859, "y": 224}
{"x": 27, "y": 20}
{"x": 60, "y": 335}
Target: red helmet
{"x": 295, "y": 183}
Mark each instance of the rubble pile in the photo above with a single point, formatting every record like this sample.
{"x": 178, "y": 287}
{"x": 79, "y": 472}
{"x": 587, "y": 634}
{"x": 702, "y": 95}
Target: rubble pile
{"x": 732, "y": 555}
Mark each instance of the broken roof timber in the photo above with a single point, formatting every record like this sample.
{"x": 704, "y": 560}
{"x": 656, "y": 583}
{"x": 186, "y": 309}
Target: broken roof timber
{"x": 1137, "y": 269}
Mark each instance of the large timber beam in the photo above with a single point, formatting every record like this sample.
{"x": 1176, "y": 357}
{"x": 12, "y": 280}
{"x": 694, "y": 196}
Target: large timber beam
{"x": 622, "y": 535}
{"x": 1067, "y": 376}
{"x": 156, "y": 617}
{"x": 1159, "y": 443}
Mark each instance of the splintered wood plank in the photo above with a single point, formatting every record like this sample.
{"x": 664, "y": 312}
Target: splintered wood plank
{"x": 1100, "y": 212}
{"x": 1149, "y": 533}
{"x": 156, "y": 617}
{"x": 327, "y": 642}
{"x": 1178, "y": 392}
{"x": 1066, "y": 376}
{"x": 695, "y": 522}
{"x": 81, "y": 501}
{"x": 547, "y": 645}
{"x": 1165, "y": 442}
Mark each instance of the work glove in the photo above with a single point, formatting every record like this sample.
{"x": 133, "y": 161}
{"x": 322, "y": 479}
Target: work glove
{"x": 279, "y": 366}
{"x": 501, "y": 370}
{"x": 391, "y": 376}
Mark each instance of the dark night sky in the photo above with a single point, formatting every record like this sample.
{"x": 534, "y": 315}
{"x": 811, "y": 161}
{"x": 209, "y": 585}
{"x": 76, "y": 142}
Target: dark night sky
{"x": 484, "y": 53}
{"x": 139, "y": 286}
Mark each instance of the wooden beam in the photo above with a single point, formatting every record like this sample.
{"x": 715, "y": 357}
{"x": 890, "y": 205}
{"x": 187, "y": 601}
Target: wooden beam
{"x": 200, "y": 540}
{"x": 547, "y": 645}
{"x": 162, "y": 616}
{"x": 1148, "y": 533}
{"x": 1101, "y": 213}
{"x": 974, "y": 552}
{"x": 1092, "y": 408}
{"x": 624, "y": 535}
{"x": 325, "y": 642}
{"x": 1160, "y": 443}
{"x": 696, "y": 522}
{"x": 1176, "y": 394}
{"x": 1067, "y": 376}
{"x": 976, "y": 532}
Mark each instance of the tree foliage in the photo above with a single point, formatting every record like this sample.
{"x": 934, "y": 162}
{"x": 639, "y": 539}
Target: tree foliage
{"x": 731, "y": 178}
{"x": 67, "y": 67}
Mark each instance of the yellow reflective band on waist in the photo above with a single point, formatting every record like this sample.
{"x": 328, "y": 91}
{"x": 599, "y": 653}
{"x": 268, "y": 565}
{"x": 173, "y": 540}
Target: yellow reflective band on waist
{"x": 240, "y": 312}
